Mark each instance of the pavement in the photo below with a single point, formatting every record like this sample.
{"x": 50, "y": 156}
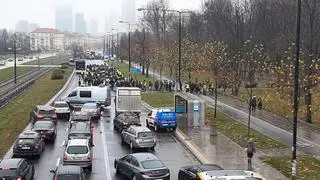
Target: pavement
{"x": 108, "y": 147}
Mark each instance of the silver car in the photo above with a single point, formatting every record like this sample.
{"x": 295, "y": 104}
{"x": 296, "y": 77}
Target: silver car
{"x": 138, "y": 137}
{"x": 62, "y": 109}
{"x": 92, "y": 109}
{"x": 78, "y": 152}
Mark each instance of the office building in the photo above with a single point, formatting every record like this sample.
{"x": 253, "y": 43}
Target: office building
{"x": 33, "y": 26}
{"x": 94, "y": 27}
{"x": 47, "y": 39}
{"x": 80, "y": 23}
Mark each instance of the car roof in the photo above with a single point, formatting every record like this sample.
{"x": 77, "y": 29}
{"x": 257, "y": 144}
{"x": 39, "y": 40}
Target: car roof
{"x": 10, "y": 163}
{"x": 80, "y": 126}
{"x": 90, "y": 103}
{"x": 204, "y": 167}
{"x": 140, "y": 128}
{"x": 241, "y": 173}
{"x": 68, "y": 169}
{"x": 45, "y": 107}
{"x": 75, "y": 142}
{"x": 29, "y": 134}
{"x": 144, "y": 156}
{"x": 44, "y": 122}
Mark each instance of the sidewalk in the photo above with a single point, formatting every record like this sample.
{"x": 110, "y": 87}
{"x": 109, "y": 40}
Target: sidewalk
{"x": 227, "y": 154}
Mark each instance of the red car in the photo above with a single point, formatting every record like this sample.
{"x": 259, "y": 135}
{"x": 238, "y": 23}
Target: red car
{"x": 43, "y": 112}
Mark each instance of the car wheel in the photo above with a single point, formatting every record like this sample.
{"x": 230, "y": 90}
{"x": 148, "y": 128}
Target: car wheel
{"x": 90, "y": 168}
{"x": 174, "y": 128}
{"x": 147, "y": 124}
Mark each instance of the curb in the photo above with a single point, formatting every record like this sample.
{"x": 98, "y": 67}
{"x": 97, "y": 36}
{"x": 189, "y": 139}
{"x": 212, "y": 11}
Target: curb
{"x": 186, "y": 141}
{"x": 10, "y": 151}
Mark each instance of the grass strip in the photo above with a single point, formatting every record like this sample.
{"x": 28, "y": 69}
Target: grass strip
{"x": 48, "y": 60}
{"x": 308, "y": 167}
{"x": 15, "y": 116}
{"x": 238, "y": 132}
{"x": 158, "y": 99}
{"x": 124, "y": 69}
{"x": 8, "y": 73}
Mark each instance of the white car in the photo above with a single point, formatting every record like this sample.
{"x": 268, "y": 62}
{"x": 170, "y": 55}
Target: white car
{"x": 79, "y": 153}
{"x": 2, "y": 63}
{"x": 62, "y": 109}
{"x": 230, "y": 175}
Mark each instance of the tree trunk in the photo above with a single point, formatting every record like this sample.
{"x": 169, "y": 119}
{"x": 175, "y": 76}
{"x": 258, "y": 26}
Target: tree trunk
{"x": 308, "y": 102}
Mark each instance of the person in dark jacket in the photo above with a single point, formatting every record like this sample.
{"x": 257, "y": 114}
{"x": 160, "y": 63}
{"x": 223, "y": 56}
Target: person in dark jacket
{"x": 250, "y": 149}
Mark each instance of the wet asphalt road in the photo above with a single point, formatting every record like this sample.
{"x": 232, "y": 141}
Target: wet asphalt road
{"x": 108, "y": 147}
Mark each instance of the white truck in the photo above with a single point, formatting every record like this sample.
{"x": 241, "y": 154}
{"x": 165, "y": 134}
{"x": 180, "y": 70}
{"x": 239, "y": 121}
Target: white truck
{"x": 128, "y": 99}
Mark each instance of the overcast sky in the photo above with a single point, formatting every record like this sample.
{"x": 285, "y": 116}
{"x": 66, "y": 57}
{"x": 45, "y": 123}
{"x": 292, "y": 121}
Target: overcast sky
{"x": 42, "y": 11}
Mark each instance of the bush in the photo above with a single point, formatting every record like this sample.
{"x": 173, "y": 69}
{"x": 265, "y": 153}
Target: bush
{"x": 57, "y": 74}
{"x": 64, "y": 67}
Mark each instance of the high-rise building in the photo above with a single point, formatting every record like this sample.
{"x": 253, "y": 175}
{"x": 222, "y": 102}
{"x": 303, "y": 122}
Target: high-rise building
{"x": 33, "y": 26}
{"x": 63, "y": 17}
{"x": 80, "y": 23}
{"x": 22, "y": 26}
{"x": 129, "y": 11}
{"x": 94, "y": 27}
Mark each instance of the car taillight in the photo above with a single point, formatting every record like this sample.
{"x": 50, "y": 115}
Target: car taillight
{"x": 147, "y": 173}
{"x": 65, "y": 156}
{"x": 80, "y": 178}
{"x": 19, "y": 178}
{"x": 89, "y": 156}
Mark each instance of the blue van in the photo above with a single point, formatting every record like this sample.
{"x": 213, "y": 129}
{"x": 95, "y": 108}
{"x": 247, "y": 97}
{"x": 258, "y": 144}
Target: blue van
{"x": 162, "y": 118}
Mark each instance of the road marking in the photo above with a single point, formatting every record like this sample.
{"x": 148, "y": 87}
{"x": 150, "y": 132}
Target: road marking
{"x": 58, "y": 162}
{"x": 63, "y": 143}
{"x": 105, "y": 152}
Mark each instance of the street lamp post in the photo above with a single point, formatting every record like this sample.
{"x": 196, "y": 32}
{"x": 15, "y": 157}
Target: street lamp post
{"x": 179, "y": 38}
{"x": 15, "y": 61}
{"x": 129, "y": 43}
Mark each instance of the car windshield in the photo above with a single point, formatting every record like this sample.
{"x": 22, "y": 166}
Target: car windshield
{"x": 152, "y": 164}
{"x": 61, "y": 105}
{"x": 42, "y": 125}
{"x": 89, "y": 106}
{"x": 77, "y": 150}
{"x": 46, "y": 112}
{"x": 26, "y": 141}
{"x": 68, "y": 177}
{"x": 145, "y": 134}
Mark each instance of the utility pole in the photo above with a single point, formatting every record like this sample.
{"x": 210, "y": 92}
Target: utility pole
{"x": 179, "y": 68}
{"x": 296, "y": 94}
{"x": 129, "y": 51}
{"x": 104, "y": 46}
{"x": 15, "y": 60}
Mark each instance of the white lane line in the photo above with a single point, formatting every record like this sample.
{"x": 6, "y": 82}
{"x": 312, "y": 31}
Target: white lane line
{"x": 63, "y": 143}
{"x": 105, "y": 152}
{"x": 58, "y": 162}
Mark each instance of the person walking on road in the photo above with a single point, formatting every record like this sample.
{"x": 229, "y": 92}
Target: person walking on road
{"x": 260, "y": 104}
{"x": 253, "y": 103}
{"x": 250, "y": 149}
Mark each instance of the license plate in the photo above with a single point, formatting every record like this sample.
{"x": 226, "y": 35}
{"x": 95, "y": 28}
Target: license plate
{"x": 77, "y": 158}
{"x": 25, "y": 148}
{"x": 164, "y": 124}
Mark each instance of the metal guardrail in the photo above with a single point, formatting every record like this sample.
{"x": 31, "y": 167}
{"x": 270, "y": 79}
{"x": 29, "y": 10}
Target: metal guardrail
{"x": 7, "y": 97}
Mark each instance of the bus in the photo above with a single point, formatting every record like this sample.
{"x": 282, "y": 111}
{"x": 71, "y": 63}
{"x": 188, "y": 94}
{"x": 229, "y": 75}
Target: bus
{"x": 80, "y": 66}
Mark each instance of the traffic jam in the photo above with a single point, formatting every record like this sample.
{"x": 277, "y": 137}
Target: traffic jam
{"x": 82, "y": 108}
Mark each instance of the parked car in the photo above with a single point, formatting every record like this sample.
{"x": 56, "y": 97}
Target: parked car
{"x": 230, "y": 175}
{"x": 68, "y": 172}
{"x": 30, "y": 57}
{"x": 92, "y": 109}
{"x": 141, "y": 166}
{"x": 2, "y": 63}
{"x": 124, "y": 120}
{"x": 47, "y": 130}
{"x": 138, "y": 137}
{"x": 43, "y": 112}
{"x": 10, "y": 59}
{"x": 16, "y": 168}
{"x": 78, "y": 152}
{"x": 62, "y": 109}
{"x": 20, "y": 59}
{"x": 162, "y": 118}
{"x": 79, "y": 116}
{"x": 28, "y": 143}
{"x": 81, "y": 130}
{"x": 192, "y": 172}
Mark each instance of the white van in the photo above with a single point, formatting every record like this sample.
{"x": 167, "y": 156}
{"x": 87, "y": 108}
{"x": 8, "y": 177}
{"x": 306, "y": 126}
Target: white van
{"x": 82, "y": 95}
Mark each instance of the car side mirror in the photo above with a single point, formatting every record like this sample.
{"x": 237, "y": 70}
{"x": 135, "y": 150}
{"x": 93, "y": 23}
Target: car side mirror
{"x": 52, "y": 171}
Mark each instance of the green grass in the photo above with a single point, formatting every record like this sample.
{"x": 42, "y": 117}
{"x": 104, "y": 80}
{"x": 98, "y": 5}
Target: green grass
{"x": 158, "y": 99}
{"x": 8, "y": 73}
{"x": 48, "y": 60}
{"x": 308, "y": 167}
{"x": 15, "y": 116}
{"x": 124, "y": 69}
{"x": 238, "y": 132}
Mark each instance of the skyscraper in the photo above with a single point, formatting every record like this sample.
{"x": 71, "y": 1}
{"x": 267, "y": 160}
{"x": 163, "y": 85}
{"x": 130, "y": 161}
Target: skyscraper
{"x": 63, "y": 17}
{"x": 22, "y": 26}
{"x": 80, "y": 23}
{"x": 129, "y": 11}
{"x": 33, "y": 26}
{"x": 94, "y": 27}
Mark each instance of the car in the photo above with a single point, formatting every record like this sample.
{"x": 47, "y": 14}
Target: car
{"x": 47, "y": 130}
{"x": 10, "y": 60}
{"x": 30, "y": 57}
{"x": 68, "y": 172}
{"x": 43, "y": 112}
{"x": 230, "y": 175}
{"x": 62, "y": 109}
{"x": 20, "y": 59}
{"x": 162, "y": 118}
{"x": 141, "y": 166}
{"x": 192, "y": 172}
{"x": 124, "y": 120}
{"x": 28, "y": 143}
{"x": 78, "y": 152}
{"x": 138, "y": 137}
{"x": 93, "y": 110}
{"x": 79, "y": 116}
{"x": 81, "y": 130}
{"x": 16, "y": 168}
{"x": 2, "y": 63}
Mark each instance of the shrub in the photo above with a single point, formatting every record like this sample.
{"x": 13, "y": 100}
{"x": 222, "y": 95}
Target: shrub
{"x": 64, "y": 67}
{"x": 57, "y": 74}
